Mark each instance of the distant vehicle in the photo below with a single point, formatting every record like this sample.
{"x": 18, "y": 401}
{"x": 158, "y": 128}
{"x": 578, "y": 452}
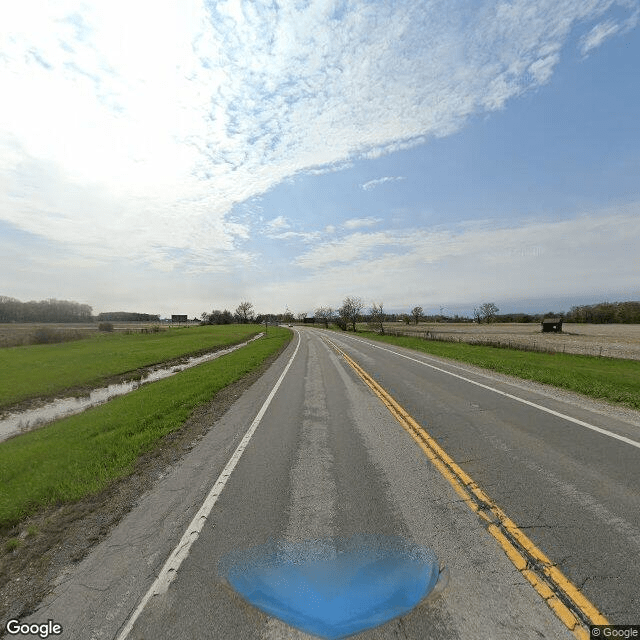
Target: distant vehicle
{"x": 289, "y": 325}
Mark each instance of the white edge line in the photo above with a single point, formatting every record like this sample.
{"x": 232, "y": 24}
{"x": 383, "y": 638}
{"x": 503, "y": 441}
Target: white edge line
{"x": 633, "y": 443}
{"x": 171, "y": 566}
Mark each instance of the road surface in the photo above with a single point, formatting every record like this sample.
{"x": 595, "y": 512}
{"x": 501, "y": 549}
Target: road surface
{"x": 327, "y": 460}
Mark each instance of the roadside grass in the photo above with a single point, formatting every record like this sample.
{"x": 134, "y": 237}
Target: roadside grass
{"x": 44, "y": 370}
{"x": 80, "y": 455}
{"x": 612, "y": 379}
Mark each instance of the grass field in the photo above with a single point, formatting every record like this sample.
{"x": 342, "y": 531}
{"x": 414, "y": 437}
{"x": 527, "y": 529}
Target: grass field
{"x": 80, "y": 455}
{"x": 47, "y": 369}
{"x": 612, "y": 379}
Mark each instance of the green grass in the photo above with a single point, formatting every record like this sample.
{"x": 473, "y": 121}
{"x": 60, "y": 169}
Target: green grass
{"x": 12, "y": 544}
{"x": 82, "y": 454}
{"x": 44, "y": 370}
{"x": 612, "y": 379}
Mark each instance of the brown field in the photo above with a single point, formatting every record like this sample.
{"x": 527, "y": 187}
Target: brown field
{"x": 17, "y": 334}
{"x": 607, "y": 340}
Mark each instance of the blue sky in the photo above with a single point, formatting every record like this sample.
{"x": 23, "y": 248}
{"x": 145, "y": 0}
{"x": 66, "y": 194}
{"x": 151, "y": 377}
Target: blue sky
{"x": 181, "y": 156}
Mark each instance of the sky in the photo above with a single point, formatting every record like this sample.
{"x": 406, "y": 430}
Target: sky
{"x": 183, "y": 156}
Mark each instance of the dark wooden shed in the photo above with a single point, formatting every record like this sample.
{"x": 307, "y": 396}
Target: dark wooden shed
{"x": 552, "y": 325}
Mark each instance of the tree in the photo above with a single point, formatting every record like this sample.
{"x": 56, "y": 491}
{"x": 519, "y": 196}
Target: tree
{"x": 350, "y": 310}
{"x": 245, "y": 312}
{"x": 488, "y": 311}
{"x": 287, "y": 316}
{"x": 417, "y": 313}
{"x": 376, "y": 318}
{"x": 301, "y": 316}
{"x": 221, "y": 317}
{"x": 325, "y": 314}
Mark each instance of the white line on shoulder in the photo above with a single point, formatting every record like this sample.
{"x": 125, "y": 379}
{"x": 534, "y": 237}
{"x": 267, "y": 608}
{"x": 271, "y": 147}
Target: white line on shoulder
{"x": 171, "y": 566}
{"x": 605, "y": 432}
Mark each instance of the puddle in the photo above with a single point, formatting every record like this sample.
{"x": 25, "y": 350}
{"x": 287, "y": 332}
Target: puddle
{"x": 334, "y": 588}
{"x": 21, "y": 421}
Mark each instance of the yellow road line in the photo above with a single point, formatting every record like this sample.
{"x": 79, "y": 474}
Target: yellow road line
{"x": 560, "y": 594}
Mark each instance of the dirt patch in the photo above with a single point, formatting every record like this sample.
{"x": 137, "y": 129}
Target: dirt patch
{"x": 57, "y": 537}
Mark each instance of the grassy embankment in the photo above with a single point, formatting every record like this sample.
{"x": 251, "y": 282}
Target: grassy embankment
{"x": 45, "y": 370}
{"x": 612, "y": 379}
{"x": 82, "y": 454}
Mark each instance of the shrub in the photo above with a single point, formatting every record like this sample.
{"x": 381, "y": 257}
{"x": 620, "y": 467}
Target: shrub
{"x": 105, "y": 326}
{"x": 46, "y": 335}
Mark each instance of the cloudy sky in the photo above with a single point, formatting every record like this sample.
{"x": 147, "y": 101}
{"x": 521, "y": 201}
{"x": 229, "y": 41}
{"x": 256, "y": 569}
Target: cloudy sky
{"x": 178, "y": 156}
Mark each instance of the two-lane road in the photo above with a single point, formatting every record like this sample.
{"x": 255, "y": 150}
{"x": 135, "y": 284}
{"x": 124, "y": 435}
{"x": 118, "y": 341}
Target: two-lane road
{"x": 326, "y": 460}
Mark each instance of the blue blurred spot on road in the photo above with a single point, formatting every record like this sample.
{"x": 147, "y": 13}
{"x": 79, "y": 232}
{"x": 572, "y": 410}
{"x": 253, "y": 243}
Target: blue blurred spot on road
{"x": 337, "y": 587}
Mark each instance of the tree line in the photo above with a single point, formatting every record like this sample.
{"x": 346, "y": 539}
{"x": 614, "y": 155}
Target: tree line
{"x": 12, "y": 310}
{"x": 126, "y": 316}
{"x": 353, "y": 310}
{"x": 606, "y": 312}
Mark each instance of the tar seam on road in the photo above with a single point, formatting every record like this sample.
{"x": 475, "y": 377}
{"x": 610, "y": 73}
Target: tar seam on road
{"x": 633, "y": 443}
{"x": 560, "y": 594}
{"x": 171, "y": 566}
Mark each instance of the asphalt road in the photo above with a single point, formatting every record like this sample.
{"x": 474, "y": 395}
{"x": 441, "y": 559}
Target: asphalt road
{"x": 328, "y": 460}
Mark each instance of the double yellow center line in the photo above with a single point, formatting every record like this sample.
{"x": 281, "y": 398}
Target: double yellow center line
{"x": 562, "y": 596}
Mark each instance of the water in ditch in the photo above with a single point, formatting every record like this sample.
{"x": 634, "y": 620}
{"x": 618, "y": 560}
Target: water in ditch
{"x": 21, "y": 421}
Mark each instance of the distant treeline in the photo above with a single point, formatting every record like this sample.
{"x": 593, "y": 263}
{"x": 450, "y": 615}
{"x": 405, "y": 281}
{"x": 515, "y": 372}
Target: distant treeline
{"x": 606, "y": 312}
{"x": 600, "y": 313}
{"x": 12, "y": 310}
{"x": 125, "y": 316}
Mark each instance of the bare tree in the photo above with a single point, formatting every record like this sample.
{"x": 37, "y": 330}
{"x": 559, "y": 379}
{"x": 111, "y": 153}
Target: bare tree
{"x": 376, "y": 318}
{"x": 301, "y": 316}
{"x": 417, "y": 313}
{"x": 488, "y": 311}
{"x": 350, "y": 310}
{"x": 325, "y": 314}
{"x": 245, "y": 312}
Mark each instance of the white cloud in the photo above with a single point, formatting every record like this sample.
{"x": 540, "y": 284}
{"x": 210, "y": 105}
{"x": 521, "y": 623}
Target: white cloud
{"x": 578, "y": 256}
{"x": 598, "y": 35}
{"x": 296, "y": 235}
{"x": 357, "y": 223}
{"x": 350, "y": 249}
{"x": 378, "y": 181}
{"x": 126, "y": 127}
{"x": 276, "y": 230}
{"x": 277, "y": 224}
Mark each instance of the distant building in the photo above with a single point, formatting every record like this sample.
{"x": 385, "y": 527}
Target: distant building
{"x": 175, "y": 318}
{"x": 552, "y": 325}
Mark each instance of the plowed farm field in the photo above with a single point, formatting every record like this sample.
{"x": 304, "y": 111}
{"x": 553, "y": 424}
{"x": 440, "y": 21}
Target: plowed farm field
{"x": 606, "y": 340}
